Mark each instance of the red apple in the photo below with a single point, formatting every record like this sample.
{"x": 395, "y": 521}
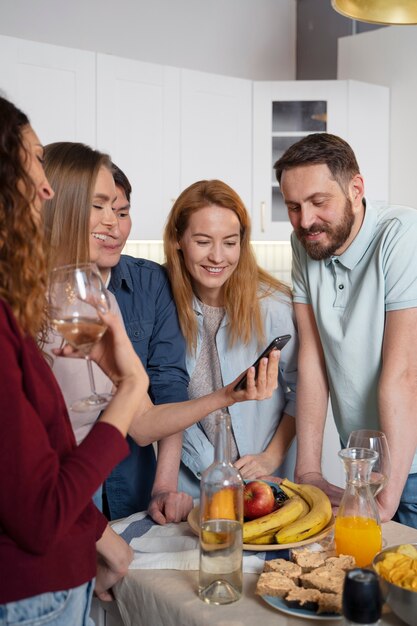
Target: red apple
{"x": 258, "y": 499}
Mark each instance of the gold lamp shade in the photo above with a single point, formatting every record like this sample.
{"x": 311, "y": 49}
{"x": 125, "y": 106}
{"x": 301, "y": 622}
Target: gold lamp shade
{"x": 378, "y": 11}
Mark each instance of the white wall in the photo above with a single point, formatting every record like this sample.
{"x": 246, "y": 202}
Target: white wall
{"x": 244, "y": 38}
{"x": 387, "y": 57}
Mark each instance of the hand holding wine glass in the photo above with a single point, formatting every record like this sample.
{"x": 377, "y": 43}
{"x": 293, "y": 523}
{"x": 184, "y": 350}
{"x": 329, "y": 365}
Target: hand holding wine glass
{"x": 76, "y": 294}
{"x": 374, "y": 440}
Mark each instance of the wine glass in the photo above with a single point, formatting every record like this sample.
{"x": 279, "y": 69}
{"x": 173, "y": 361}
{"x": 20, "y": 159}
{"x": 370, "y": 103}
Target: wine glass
{"x": 374, "y": 440}
{"x": 76, "y": 294}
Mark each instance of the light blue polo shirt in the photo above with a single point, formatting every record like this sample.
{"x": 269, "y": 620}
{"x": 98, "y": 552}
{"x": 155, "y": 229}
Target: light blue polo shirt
{"x": 350, "y": 294}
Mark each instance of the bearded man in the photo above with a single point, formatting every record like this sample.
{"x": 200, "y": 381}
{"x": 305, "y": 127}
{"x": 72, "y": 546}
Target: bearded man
{"x": 355, "y": 297}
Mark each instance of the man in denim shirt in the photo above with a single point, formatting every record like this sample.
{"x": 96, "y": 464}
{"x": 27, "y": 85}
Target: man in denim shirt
{"x": 144, "y": 296}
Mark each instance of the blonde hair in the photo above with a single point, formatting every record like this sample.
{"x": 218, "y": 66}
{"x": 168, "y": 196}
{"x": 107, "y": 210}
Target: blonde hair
{"x": 23, "y": 273}
{"x": 244, "y": 288}
{"x": 72, "y": 169}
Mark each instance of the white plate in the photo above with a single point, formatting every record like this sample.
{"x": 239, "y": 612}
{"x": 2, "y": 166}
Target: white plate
{"x": 278, "y": 603}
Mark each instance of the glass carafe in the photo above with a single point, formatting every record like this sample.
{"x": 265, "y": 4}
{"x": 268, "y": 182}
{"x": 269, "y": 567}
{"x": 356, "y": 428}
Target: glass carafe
{"x": 221, "y": 520}
{"x": 358, "y": 527}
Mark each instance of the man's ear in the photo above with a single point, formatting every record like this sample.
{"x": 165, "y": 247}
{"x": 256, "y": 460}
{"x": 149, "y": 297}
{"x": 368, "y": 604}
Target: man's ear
{"x": 357, "y": 190}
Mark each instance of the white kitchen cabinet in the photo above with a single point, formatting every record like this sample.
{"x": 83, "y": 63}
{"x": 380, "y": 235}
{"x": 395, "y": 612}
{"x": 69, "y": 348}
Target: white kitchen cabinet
{"x": 167, "y": 128}
{"x": 53, "y": 85}
{"x": 285, "y": 111}
{"x": 138, "y": 124}
{"x": 216, "y": 130}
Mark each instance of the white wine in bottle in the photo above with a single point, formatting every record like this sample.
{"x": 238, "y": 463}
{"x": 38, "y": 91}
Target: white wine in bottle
{"x": 221, "y": 519}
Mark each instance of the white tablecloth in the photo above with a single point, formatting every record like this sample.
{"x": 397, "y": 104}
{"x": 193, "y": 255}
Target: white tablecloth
{"x": 169, "y": 598}
{"x": 172, "y": 546}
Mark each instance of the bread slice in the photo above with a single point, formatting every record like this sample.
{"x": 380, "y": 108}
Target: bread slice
{"x": 303, "y": 598}
{"x": 274, "y": 584}
{"x": 329, "y": 603}
{"x": 282, "y": 566}
{"x": 343, "y": 561}
{"x": 323, "y": 579}
{"x": 309, "y": 560}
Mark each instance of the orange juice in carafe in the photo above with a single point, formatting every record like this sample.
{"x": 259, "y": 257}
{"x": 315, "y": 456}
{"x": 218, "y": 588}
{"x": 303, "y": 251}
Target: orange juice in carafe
{"x": 358, "y": 528}
{"x": 360, "y": 537}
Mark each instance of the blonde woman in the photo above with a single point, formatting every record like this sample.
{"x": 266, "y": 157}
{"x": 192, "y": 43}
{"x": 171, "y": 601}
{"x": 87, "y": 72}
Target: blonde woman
{"x": 229, "y": 310}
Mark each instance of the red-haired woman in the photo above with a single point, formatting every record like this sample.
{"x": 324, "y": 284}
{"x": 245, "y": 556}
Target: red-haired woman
{"x": 229, "y": 310}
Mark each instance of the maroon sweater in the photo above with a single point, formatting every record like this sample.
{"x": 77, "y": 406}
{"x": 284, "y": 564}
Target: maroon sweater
{"x": 48, "y": 523}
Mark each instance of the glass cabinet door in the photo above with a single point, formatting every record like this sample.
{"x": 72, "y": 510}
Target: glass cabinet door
{"x": 292, "y": 119}
{"x": 285, "y": 111}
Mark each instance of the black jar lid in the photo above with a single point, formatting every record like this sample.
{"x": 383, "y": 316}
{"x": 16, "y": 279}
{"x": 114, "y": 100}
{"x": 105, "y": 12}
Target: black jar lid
{"x": 362, "y": 599}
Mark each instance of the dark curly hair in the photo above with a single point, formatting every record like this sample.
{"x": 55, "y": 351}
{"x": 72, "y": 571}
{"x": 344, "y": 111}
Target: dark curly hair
{"x": 22, "y": 260}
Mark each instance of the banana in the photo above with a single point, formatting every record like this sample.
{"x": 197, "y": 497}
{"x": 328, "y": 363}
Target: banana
{"x": 268, "y": 538}
{"x": 306, "y": 507}
{"x": 318, "y": 517}
{"x": 288, "y": 492}
{"x": 289, "y": 512}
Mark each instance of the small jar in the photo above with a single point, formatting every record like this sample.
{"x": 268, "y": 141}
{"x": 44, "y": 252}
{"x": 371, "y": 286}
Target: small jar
{"x": 362, "y": 599}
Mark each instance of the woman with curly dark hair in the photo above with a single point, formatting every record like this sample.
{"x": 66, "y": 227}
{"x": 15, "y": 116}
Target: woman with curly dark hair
{"x": 49, "y": 528}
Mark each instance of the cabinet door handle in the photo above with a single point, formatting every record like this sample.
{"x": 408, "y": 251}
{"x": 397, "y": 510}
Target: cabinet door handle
{"x": 263, "y": 216}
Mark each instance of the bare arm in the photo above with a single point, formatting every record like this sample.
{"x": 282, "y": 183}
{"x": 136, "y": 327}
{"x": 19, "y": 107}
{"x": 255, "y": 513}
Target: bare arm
{"x": 115, "y": 355}
{"x": 167, "y": 504}
{"x": 312, "y": 401}
{"x": 312, "y": 394}
{"x": 265, "y": 463}
{"x": 113, "y": 559}
{"x": 397, "y": 396}
{"x": 155, "y": 422}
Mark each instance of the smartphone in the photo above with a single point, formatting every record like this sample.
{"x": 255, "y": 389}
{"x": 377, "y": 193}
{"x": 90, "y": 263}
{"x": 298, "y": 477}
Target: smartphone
{"x": 276, "y": 344}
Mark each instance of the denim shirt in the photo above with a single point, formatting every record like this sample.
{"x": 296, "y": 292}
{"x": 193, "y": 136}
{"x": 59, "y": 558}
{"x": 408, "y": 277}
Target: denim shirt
{"x": 144, "y": 296}
{"x": 254, "y": 423}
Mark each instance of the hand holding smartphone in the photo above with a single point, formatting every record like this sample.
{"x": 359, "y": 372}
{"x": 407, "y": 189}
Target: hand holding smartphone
{"x": 276, "y": 344}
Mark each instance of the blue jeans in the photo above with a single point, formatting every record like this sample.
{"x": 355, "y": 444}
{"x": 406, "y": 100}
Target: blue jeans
{"x": 58, "y": 608}
{"x": 407, "y": 510}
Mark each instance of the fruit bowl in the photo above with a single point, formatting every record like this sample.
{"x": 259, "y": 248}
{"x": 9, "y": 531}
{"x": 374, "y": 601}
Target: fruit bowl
{"x": 403, "y": 602}
{"x": 193, "y": 520}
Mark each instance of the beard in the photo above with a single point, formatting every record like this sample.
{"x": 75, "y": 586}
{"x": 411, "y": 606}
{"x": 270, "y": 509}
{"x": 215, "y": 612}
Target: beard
{"x": 337, "y": 235}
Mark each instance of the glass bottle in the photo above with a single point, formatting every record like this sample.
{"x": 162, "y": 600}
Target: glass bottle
{"x": 358, "y": 527}
{"x": 221, "y": 520}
